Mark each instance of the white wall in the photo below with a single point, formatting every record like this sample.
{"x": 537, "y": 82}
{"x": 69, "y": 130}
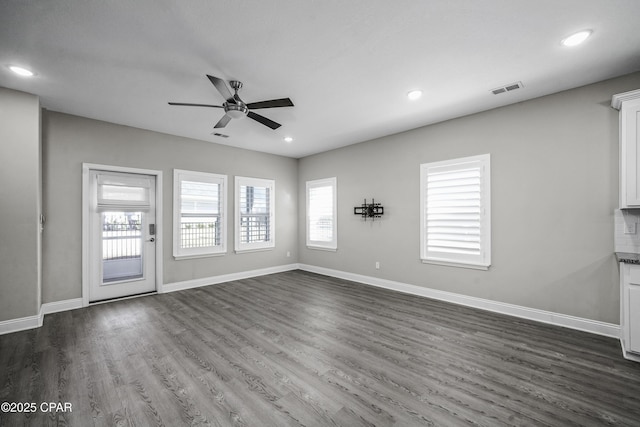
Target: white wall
{"x": 554, "y": 178}
{"x": 68, "y": 141}
{"x": 20, "y": 196}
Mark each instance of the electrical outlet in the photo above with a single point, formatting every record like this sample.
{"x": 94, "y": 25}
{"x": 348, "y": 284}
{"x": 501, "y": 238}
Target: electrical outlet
{"x": 630, "y": 228}
{"x": 377, "y": 265}
{"x": 288, "y": 254}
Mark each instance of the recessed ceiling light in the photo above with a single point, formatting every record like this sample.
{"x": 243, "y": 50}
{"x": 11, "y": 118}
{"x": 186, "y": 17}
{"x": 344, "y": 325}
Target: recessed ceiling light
{"x": 21, "y": 71}
{"x": 414, "y": 94}
{"x": 288, "y": 139}
{"x": 577, "y": 38}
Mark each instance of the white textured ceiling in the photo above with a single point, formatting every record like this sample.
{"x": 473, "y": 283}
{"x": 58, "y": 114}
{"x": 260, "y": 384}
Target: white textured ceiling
{"x": 347, "y": 65}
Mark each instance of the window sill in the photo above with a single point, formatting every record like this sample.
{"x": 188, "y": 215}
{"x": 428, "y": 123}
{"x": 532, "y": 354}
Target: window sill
{"x": 242, "y": 251}
{"x": 181, "y": 257}
{"x": 322, "y": 248}
{"x": 456, "y": 264}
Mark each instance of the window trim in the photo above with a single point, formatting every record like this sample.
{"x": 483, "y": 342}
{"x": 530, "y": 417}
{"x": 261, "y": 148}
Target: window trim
{"x": 255, "y": 246}
{"x": 483, "y": 261}
{"x": 315, "y": 244}
{"x": 180, "y": 175}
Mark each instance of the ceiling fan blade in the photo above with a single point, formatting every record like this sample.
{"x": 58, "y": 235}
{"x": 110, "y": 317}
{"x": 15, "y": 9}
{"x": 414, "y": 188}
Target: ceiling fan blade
{"x": 267, "y": 122}
{"x": 223, "y": 121}
{"x": 195, "y": 105}
{"x": 273, "y": 103}
{"x": 222, "y": 88}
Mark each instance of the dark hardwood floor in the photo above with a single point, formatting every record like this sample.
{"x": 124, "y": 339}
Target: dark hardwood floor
{"x": 297, "y": 348}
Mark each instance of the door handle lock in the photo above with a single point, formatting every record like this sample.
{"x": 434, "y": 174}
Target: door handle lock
{"x": 151, "y": 239}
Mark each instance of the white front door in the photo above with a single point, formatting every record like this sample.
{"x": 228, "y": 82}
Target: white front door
{"x": 122, "y": 215}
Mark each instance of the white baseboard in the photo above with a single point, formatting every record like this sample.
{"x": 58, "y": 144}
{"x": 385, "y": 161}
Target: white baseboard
{"x": 572, "y": 322}
{"x": 628, "y": 355}
{"x": 558, "y": 319}
{"x": 214, "y": 280}
{"x": 32, "y": 322}
{"x": 58, "y": 306}
{"x": 21, "y": 324}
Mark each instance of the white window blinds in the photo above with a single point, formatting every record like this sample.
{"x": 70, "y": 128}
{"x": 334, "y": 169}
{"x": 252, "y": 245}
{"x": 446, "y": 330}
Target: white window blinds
{"x": 456, "y": 212}
{"x": 119, "y": 190}
{"x": 321, "y": 213}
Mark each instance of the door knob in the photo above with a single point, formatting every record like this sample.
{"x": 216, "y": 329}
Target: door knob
{"x": 151, "y": 239}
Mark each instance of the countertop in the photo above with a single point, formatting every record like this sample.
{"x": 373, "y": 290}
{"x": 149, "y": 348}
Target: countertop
{"x": 628, "y": 257}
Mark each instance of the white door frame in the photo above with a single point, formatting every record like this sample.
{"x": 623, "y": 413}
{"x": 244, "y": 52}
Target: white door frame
{"x": 86, "y": 261}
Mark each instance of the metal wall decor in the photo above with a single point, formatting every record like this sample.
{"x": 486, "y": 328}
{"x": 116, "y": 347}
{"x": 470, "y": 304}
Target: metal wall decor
{"x": 371, "y": 210}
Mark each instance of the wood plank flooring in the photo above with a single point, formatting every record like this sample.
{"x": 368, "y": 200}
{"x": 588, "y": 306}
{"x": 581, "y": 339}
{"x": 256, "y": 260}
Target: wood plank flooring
{"x": 298, "y": 348}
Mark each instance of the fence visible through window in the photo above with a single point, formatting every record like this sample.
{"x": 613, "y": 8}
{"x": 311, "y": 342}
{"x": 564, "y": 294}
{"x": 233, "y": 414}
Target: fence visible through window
{"x": 198, "y": 233}
{"x": 254, "y": 228}
{"x": 121, "y": 245}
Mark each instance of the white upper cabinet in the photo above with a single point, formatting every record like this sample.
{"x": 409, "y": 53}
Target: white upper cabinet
{"x": 629, "y": 105}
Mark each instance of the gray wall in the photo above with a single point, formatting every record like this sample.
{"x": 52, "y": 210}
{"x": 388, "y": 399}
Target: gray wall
{"x": 20, "y": 186}
{"x": 68, "y": 141}
{"x": 554, "y": 188}
{"x": 554, "y": 178}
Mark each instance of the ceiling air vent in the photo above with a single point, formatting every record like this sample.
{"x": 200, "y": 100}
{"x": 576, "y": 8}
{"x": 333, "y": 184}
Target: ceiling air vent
{"x": 221, "y": 135}
{"x": 507, "y": 88}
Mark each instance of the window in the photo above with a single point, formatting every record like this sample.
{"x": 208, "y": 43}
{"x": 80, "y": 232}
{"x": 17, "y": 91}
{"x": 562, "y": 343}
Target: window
{"x": 255, "y": 225}
{"x": 322, "y": 214}
{"x": 199, "y": 206}
{"x": 455, "y": 211}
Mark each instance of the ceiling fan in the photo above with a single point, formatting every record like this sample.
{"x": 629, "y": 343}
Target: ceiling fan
{"x": 235, "y": 108}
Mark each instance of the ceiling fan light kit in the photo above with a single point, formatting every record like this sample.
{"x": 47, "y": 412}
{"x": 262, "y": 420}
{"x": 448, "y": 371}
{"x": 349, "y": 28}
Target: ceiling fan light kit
{"x": 235, "y": 111}
{"x": 235, "y": 108}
